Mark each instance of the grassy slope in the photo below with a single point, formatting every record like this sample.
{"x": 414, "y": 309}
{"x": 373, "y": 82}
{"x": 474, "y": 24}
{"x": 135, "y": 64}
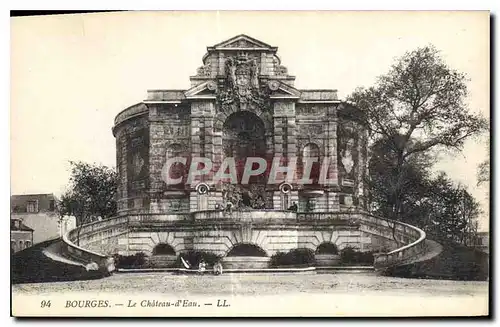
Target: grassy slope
{"x": 455, "y": 262}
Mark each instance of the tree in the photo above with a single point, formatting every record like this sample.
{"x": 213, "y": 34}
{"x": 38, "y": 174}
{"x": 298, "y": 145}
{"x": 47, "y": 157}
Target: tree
{"x": 396, "y": 191}
{"x": 90, "y": 195}
{"x": 453, "y": 214}
{"x": 418, "y": 106}
{"x": 390, "y": 183}
{"x": 483, "y": 172}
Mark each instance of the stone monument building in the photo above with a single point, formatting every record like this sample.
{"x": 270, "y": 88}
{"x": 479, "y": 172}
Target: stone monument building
{"x": 242, "y": 103}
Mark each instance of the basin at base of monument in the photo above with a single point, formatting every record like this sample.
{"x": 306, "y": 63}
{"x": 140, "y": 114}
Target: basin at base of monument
{"x": 245, "y": 262}
{"x": 161, "y": 261}
{"x": 323, "y": 260}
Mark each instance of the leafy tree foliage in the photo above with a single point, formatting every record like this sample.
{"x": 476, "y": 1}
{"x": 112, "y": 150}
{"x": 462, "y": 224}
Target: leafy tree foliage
{"x": 394, "y": 188}
{"x": 422, "y": 100}
{"x": 483, "y": 173}
{"x": 450, "y": 212}
{"x": 91, "y": 193}
{"x": 417, "y": 107}
{"x": 447, "y": 212}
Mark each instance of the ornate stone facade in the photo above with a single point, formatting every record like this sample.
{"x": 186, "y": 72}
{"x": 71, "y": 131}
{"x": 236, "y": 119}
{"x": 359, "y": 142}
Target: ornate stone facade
{"x": 242, "y": 103}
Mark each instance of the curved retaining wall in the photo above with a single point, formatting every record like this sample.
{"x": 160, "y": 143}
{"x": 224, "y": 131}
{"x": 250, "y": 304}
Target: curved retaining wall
{"x": 136, "y": 231}
{"x": 410, "y": 239}
{"x": 405, "y": 254}
{"x": 92, "y": 260}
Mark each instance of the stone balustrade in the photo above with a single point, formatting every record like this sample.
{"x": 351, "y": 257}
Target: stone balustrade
{"x": 105, "y": 264}
{"x": 159, "y": 218}
{"x": 89, "y": 236}
{"x": 165, "y": 95}
{"x": 318, "y": 95}
{"x": 328, "y": 216}
{"x": 244, "y": 215}
{"x": 406, "y": 253}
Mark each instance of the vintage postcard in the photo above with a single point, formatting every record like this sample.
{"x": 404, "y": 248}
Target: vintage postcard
{"x": 250, "y": 164}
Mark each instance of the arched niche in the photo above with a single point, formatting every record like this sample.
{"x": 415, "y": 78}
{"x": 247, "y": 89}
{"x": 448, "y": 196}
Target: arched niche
{"x": 163, "y": 249}
{"x": 246, "y": 250}
{"x": 327, "y": 248}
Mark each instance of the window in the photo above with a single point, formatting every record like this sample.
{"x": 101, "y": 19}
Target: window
{"x": 21, "y": 245}
{"x": 15, "y": 224}
{"x": 27, "y": 244}
{"x": 32, "y": 206}
{"x": 51, "y": 205}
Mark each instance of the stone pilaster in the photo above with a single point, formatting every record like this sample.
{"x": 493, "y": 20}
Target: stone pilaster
{"x": 285, "y": 141}
{"x": 331, "y": 197}
{"x": 156, "y": 152}
{"x": 204, "y": 142}
{"x": 121, "y": 167}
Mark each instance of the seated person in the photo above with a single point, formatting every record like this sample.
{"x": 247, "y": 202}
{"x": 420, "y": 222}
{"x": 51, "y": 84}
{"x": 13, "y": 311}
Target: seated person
{"x": 229, "y": 207}
{"x": 218, "y": 268}
{"x": 293, "y": 207}
{"x": 202, "y": 266}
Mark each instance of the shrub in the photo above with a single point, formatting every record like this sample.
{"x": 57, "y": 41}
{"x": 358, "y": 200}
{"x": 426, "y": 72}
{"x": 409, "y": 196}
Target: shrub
{"x": 455, "y": 262}
{"x": 295, "y": 257}
{"x": 278, "y": 259}
{"x": 350, "y": 256}
{"x": 246, "y": 250}
{"x": 130, "y": 261}
{"x": 194, "y": 257}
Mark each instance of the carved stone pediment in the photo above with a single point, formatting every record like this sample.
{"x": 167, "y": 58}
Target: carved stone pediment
{"x": 242, "y": 44}
{"x": 280, "y": 90}
{"x": 242, "y": 41}
{"x": 201, "y": 91}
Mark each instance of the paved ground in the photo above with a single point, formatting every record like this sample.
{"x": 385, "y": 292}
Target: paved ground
{"x": 260, "y": 284}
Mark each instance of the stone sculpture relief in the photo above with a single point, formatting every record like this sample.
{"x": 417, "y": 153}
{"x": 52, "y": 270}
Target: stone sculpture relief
{"x": 241, "y": 87}
{"x": 347, "y": 156}
{"x": 138, "y": 163}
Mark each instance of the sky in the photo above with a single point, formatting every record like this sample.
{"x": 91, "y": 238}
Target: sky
{"x": 72, "y": 74}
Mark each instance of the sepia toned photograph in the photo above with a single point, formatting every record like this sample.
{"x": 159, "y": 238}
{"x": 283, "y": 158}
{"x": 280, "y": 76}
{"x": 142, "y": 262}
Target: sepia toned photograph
{"x": 250, "y": 164}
